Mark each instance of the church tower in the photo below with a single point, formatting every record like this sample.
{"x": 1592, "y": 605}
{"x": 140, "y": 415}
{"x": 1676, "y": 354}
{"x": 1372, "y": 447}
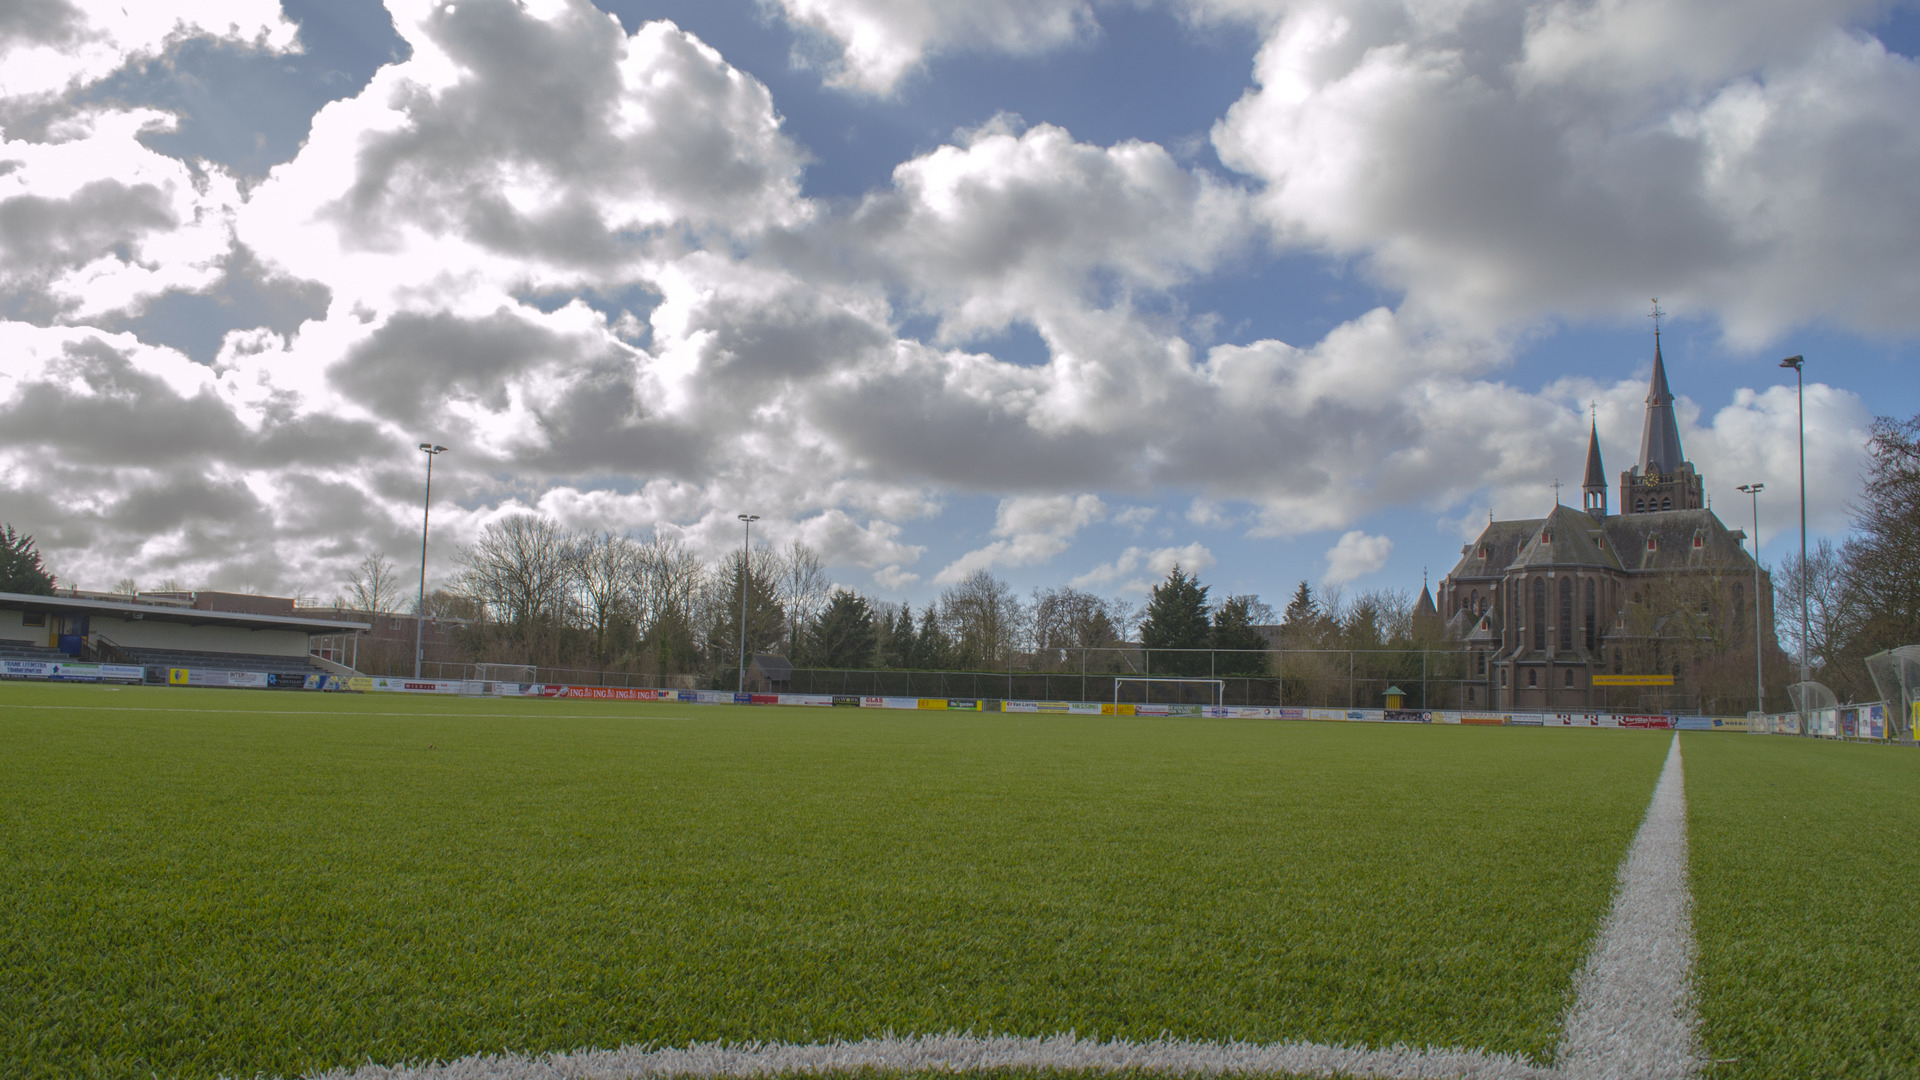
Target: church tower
{"x": 1593, "y": 489}
{"x": 1662, "y": 479}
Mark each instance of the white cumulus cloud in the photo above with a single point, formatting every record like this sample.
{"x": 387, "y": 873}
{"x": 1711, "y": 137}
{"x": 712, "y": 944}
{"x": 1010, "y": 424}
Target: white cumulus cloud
{"x": 1356, "y": 555}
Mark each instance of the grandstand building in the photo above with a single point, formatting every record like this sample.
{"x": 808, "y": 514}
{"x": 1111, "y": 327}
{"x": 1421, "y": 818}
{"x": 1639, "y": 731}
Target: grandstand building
{"x": 1542, "y": 606}
{"x": 154, "y": 637}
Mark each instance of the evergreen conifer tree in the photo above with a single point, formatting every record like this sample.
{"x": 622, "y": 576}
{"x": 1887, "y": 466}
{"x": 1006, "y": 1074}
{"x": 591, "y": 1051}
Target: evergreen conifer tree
{"x": 844, "y": 636}
{"x": 20, "y": 567}
{"x": 1177, "y": 619}
{"x": 932, "y": 651}
{"x": 1239, "y": 649}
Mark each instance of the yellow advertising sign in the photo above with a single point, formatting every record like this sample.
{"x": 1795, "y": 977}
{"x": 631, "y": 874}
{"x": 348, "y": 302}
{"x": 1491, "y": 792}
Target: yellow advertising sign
{"x": 177, "y": 676}
{"x": 1123, "y": 709}
{"x": 1633, "y": 680}
{"x": 360, "y": 684}
{"x": 934, "y": 703}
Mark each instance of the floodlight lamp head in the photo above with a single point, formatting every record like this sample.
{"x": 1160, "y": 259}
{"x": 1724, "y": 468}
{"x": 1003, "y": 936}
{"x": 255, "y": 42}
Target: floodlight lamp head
{"x": 431, "y": 448}
{"x": 1753, "y": 489}
{"x": 1793, "y": 362}
{"x": 748, "y": 517}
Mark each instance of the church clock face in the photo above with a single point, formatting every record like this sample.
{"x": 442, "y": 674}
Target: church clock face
{"x": 1652, "y": 478}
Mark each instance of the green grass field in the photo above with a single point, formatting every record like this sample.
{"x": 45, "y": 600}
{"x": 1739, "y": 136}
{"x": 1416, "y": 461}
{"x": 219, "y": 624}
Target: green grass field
{"x": 1806, "y": 882}
{"x": 277, "y": 883}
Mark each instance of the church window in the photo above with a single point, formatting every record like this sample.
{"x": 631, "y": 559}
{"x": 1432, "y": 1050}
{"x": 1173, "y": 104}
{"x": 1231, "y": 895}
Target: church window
{"x": 1546, "y": 536}
{"x": 1616, "y": 662}
{"x": 1485, "y": 552}
{"x": 1473, "y": 602}
{"x": 1639, "y": 504}
{"x": 1533, "y": 677}
{"x": 1470, "y": 695}
{"x": 1699, "y": 541}
{"x": 1539, "y": 613}
{"x": 1590, "y": 605}
{"x": 1569, "y": 681}
{"x": 1653, "y": 544}
{"x": 1666, "y": 503}
{"x": 1503, "y": 678}
{"x": 1566, "y": 613}
{"x": 1480, "y": 661}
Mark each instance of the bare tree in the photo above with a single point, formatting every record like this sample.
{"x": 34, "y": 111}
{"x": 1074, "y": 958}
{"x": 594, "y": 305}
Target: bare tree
{"x": 1066, "y": 622}
{"x": 520, "y": 570}
{"x": 985, "y": 620}
{"x": 373, "y": 586}
{"x": 605, "y": 568}
{"x": 1825, "y": 585}
{"x": 802, "y": 587}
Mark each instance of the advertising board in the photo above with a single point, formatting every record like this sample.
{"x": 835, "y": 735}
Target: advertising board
{"x": 1643, "y": 722}
{"x": 1406, "y": 716}
{"x": 1125, "y": 708}
{"x": 1326, "y": 714}
{"x": 1483, "y": 719}
{"x": 1020, "y": 706}
{"x": 205, "y": 677}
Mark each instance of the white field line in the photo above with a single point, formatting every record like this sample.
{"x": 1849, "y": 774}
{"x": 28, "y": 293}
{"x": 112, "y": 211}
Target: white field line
{"x": 1633, "y": 1009}
{"x": 1631, "y": 1018}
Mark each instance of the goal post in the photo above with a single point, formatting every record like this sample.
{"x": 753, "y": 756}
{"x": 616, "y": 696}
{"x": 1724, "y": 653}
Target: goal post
{"x": 1219, "y": 686}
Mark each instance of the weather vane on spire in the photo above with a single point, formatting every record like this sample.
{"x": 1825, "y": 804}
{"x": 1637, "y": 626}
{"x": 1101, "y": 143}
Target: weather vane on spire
{"x": 1556, "y": 493}
{"x": 1656, "y": 316}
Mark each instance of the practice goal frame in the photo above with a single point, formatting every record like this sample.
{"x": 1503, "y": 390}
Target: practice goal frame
{"x": 1219, "y": 686}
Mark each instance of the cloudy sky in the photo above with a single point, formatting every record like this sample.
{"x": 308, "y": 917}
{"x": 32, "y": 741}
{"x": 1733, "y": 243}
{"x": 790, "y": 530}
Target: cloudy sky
{"x": 1067, "y": 289}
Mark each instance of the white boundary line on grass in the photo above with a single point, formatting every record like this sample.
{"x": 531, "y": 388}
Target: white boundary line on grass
{"x": 1632, "y": 1017}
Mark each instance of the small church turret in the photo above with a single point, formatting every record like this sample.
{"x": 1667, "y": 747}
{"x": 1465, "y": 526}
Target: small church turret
{"x": 1662, "y": 479}
{"x": 1593, "y": 489}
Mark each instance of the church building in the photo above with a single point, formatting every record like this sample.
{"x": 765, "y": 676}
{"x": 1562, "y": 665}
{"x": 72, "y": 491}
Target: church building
{"x": 1543, "y": 605}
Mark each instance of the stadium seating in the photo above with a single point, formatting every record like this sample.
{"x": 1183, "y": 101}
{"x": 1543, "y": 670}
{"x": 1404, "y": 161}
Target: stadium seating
{"x": 219, "y": 661}
{"x": 20, "y": 650}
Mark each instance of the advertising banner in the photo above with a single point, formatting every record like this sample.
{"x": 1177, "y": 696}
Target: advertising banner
{"x": 1643, "y": 722}
{"x": 846, "y": 701}
{"x": 1084, "y": 708}
{"x": 66, "y": 672}
{"x": 1527, "y": 719}
{"x": 1020, "y": 706}
{"x": 608, "y": 693}
{"x": 61, "y": 671}
{"x": 938, "y": 704}
{"x": 1693, "y": 723}
{"x": 317, "y": 681}
{"x": 1633, "y": 680}
{"x": 1445, "y": 717}
{"x": 1372, "y": 716}
{"x": 24, "y": 669}
{"x": 1151, "y": 709}
{"x": 1729, "y": 723}
{"x": 815, "y": 701}
{"x": 359, "y": 684}
{"x": 1122, "y": 709}
{"x": 896, "y": 702}
{"x": 1407, "y": 716}
{"x": 1873, "y": 722}
{"x": 1483, "y": 719}
{"x": 1326, "y": 714}
{"x": 1053, "y": 706}
{"x": 688, "y": 695}
{"x": 963, "y": 704}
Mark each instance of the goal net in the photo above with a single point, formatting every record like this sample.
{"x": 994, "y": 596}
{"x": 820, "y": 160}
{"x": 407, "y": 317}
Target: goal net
{"x": 1170, "y": 690}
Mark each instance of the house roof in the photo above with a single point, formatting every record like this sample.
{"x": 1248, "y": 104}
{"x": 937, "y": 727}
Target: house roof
{"x": 773, "y": 667}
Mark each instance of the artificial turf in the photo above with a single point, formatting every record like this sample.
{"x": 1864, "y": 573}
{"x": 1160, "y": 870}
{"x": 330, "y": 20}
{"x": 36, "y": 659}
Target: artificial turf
{"x": 278, "y": 883}
{"x": 1806, "y": 882}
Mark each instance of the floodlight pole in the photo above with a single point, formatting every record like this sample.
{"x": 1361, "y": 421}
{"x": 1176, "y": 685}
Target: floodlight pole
{"x": 1800, "y": 394}
{"x": 1759, "y": 681}
{"x": 746, "y": 552}
{"x": 420, "y": 608}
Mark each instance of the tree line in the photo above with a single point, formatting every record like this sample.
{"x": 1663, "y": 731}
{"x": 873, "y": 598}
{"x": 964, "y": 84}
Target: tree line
{"x": 530, "y": 591}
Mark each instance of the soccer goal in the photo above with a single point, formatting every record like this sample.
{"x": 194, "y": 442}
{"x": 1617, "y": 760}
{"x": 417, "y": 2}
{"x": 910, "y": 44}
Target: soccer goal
{"x": 1219, "y": 687}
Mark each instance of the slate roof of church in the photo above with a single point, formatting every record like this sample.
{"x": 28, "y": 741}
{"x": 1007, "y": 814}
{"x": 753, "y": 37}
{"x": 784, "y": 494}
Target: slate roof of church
{"x": 1616, "y": 542}
{"x": 1596, "y": 472}
{"x": 1660, "y": 438}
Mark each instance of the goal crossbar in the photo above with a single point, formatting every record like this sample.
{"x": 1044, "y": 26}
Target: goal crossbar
{"x": 1219, "y": 685}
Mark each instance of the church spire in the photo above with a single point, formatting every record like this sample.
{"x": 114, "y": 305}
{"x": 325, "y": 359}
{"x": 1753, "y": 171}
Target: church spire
{"x": 1660, "y": 439}
{"x": 1594, "y": 488}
